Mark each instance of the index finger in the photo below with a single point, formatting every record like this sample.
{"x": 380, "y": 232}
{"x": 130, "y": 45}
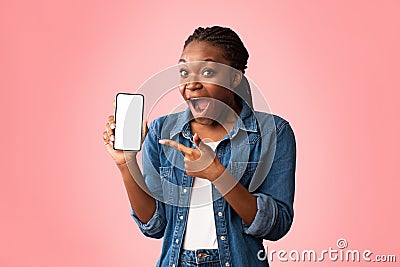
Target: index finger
{"x": 176, "y": 145}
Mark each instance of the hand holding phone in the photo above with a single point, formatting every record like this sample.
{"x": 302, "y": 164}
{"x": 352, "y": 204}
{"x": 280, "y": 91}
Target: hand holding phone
{"x": 128, "y": 121}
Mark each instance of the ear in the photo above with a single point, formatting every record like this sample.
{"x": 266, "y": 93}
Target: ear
{"x": 237, "y": 78}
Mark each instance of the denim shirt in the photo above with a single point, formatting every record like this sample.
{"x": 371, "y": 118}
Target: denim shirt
{"x": 259, "y": 151}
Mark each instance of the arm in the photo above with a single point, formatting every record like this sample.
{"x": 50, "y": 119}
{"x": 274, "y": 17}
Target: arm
{"x": 144, "y": 208}
{"x": 275, "y": 195}
{"x": 238, "y": 197}
{"x": 142, "y": 203}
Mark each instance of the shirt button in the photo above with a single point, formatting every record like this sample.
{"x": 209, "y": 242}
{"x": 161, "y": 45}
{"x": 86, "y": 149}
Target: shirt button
{"x": 173, "y": 265}
{"x": 184, "y": 190}
{"x": 177, "y": 240}
{"x": 227, "y": 264}
{"x": 219, "y": 214}
{"x": 222, "y": 238}
{"x": 181, "y": 217}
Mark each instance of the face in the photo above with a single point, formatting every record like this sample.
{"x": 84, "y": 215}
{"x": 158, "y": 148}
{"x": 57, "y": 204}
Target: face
{"x": 205, "y": 77}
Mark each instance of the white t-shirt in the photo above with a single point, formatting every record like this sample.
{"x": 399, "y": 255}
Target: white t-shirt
{"x": 200, "y": 230}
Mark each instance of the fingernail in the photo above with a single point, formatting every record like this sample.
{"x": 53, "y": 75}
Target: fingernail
{"x": 112, "y": 125}
{"x": 161, "y": 142}
{"x": 112, "y": 138}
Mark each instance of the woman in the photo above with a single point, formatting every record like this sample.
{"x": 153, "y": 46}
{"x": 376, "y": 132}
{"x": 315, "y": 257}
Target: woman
{"x": 203, "y": 188}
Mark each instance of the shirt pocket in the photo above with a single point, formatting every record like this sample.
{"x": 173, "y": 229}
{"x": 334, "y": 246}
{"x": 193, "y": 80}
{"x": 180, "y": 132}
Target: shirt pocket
{"x": 168, "y": 184}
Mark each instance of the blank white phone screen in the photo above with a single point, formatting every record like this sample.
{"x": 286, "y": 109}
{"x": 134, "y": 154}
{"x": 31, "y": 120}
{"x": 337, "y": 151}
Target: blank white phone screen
{"x": 128, "y": 120}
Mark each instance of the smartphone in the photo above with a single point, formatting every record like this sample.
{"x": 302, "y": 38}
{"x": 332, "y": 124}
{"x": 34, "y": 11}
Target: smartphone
{"x": 128, "y": 121}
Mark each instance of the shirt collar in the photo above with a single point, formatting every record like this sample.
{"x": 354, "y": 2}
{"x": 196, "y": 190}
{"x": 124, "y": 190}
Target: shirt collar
{"x": 246, "y": 122}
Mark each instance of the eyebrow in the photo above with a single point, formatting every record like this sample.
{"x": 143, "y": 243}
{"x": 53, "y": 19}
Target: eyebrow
{"x": 207, "y": 59}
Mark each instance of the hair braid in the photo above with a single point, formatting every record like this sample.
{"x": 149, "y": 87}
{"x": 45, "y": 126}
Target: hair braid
{"x": 225, "y": 38}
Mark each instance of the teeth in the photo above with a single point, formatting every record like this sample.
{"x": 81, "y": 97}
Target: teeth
{"x": 195, "y": 102}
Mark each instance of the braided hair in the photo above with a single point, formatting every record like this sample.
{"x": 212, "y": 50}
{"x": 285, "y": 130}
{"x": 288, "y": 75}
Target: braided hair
{"x": 234, "y": 51}
{"x": 225, "y": 38}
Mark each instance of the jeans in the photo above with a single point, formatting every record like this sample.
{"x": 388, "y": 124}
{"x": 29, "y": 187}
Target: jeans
{"x": 200, "y": 257}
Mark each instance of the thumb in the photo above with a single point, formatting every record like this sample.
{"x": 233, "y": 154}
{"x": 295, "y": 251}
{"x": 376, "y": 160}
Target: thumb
{"x": 200, "y": 144}
{"x": 197, "y": 140}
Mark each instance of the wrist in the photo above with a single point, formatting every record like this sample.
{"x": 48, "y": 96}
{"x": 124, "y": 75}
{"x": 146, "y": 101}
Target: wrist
{"x": 125, "y": 157}
{"x": 219, "y": 170}
{"x": 225, "y": 182}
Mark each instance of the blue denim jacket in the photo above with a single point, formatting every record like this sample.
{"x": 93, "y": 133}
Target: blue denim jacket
{"x": 260, "y": 151}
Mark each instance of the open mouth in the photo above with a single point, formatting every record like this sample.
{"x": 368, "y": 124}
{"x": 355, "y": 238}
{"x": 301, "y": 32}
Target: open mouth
{"x": 199, "y": 105}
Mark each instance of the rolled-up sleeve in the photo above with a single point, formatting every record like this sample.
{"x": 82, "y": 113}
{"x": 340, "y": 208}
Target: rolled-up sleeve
{"x": 275, "y": 196}
{"x": 156, "y": 225}
{"x": 265, "y": 216}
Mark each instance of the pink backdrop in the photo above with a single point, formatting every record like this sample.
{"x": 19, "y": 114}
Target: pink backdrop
{"x": 329, "y": 67}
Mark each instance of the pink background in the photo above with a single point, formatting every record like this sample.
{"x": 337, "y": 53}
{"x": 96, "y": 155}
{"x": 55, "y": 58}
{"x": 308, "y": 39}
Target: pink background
{"x": 329, "y": 67}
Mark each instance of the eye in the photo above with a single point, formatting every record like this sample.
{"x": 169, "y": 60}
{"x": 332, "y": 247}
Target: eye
{"x": 208, "y": 73}
{"x": 183, "y": 73}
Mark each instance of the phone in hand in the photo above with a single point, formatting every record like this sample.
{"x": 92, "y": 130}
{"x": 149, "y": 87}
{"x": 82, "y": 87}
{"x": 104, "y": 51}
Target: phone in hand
{"x": 128, "y": 121}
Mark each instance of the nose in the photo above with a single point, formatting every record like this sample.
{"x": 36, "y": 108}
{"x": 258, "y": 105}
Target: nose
{"x": 192, "y": 86}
